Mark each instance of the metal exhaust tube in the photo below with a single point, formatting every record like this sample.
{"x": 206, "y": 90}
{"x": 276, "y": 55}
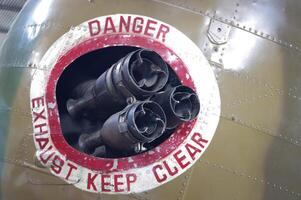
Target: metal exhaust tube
{"x": 180, "y": 104}
{"x": 139, "y": 123}
{"x": 139, "y": 74}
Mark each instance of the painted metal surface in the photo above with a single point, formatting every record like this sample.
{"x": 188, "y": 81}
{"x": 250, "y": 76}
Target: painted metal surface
{"x": 140, "y": 172}
{"x": 255, "y": 151}
{"x": 8, "y": 12}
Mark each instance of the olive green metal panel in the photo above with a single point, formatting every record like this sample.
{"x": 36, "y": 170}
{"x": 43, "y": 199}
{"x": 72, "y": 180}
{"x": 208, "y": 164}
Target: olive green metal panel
{"x": 255, "y": 152}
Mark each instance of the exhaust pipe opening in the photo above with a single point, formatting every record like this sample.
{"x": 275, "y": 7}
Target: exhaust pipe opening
{"x": 138, "y": 123}
{"x": 181, "y": 104}
{"x": 129, "y": 105}
{"x": 139, "y": 74}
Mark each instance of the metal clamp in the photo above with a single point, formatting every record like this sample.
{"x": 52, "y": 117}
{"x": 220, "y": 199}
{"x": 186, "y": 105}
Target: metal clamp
{"x": 218, "y": 32}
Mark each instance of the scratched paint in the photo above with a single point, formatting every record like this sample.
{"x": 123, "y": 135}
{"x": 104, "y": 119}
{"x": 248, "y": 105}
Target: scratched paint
{"x": 144, "y": 171}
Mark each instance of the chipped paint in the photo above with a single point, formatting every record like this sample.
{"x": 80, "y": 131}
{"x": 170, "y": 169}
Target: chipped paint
{"x": 144, "y": 171}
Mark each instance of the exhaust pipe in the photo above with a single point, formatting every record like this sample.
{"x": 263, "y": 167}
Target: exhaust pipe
{"x": 127, "y": 130}
{"x": 131, "y": 105}
{"x": 138, "y": 75}
{"x": 180, "y": 104}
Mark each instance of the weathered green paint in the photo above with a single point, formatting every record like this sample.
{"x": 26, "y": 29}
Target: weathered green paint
{"x": 9, "y": 84}
{"x": 255, "y": 153}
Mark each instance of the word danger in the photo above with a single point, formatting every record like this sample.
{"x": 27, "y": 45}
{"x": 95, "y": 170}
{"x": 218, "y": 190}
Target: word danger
{"x": 129, "y": 24}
